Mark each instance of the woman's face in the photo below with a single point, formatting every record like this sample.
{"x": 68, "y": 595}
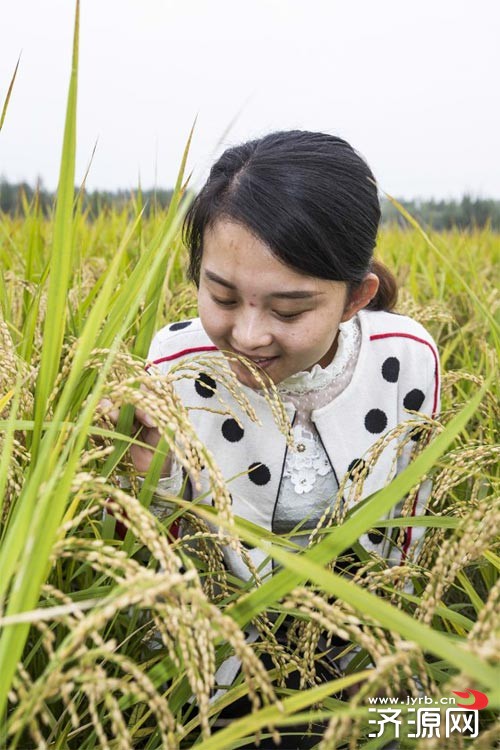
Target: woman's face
{"x": 252, "y": 304}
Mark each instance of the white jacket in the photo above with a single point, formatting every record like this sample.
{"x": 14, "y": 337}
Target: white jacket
{"x": 397, "y": 369}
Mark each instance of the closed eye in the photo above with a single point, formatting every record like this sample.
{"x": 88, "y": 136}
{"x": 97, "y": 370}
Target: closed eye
{"x": 224, "y": 302}
{"x": 288, "y": 316}
{"x": 282, "y": 316}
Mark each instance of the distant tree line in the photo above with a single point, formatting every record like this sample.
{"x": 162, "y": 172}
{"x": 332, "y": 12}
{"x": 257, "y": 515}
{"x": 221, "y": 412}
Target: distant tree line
{"x": 468, "y": 213}
{"x": 14, "y": 196}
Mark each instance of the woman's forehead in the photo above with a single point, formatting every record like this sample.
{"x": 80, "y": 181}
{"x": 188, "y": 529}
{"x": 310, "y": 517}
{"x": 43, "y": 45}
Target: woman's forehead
{"x": 232, "y": 254}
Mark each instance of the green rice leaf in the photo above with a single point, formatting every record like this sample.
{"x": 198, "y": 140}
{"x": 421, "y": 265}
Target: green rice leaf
{"x": 61, "y": 257}
{"x": 274, "y": 715}
{"x": 9, "y": 93}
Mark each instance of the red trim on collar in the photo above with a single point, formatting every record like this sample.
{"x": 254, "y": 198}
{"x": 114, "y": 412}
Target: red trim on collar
{"x": 182, "y": 353}
{"x": 377, "y": 336}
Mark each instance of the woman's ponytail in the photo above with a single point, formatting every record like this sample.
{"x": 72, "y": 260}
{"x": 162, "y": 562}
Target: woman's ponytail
{"x": 387, "y": 294}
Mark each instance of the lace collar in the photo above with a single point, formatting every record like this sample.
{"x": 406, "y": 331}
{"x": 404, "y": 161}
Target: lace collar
{"x": 348, "y": 343}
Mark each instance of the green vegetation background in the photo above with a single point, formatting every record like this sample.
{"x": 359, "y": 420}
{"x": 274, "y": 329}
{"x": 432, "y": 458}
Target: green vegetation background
{"x": 467, "y": 213}
{"x": 114, "y": 643}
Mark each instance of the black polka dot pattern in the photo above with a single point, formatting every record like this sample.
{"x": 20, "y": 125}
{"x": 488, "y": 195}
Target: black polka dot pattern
{"x": 414, "y": 400}
{"x": 417, "y": 434}
{"x": 375, "y": 421}
{"x": 179, "y": 326}
{"x": 232, "y": 430}
{"x": 205, "y": 385}
{"x": 390, "y": 369}
{"x": 376, "y": 536}
{"x": 356, "y": 468}
{"x": 259, "y": 473}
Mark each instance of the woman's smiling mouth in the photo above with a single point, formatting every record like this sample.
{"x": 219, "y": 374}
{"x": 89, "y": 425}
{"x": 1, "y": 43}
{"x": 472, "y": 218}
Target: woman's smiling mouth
{"x": 261, "y": 361}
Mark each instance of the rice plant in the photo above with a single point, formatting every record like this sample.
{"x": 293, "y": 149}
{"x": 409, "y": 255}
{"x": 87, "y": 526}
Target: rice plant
{"x": 112, "y": 629}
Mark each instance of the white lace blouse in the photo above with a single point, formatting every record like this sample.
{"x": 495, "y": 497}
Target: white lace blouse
{"x": 309, "y": 484}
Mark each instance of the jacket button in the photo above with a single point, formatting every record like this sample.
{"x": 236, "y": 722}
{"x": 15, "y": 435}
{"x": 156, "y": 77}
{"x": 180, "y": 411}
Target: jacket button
{"x": 301, "y": 447}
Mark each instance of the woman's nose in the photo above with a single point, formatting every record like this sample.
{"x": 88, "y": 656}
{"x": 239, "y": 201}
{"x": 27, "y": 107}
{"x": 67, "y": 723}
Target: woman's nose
{"x": 250, "y": 331}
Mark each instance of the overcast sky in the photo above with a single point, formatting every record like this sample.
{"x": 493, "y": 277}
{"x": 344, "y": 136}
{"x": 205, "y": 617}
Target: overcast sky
{"x": 413, "y": 85}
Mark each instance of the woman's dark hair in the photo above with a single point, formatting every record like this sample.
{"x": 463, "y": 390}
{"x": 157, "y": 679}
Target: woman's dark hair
{"x": 308, "y": 196}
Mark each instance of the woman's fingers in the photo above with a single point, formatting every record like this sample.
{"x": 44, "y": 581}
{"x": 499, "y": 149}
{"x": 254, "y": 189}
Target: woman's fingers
{"x": 144, "y": 418}
{"x": 140, "y": 416}
{"x": 144, "y": 430}
{"x": 149, "y": 435}
{"x": 142, "y": 456}
{"x": 105, "y": 404}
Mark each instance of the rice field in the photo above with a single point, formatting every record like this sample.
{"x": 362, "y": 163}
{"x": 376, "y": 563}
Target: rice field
{"x": 113, "y": 642}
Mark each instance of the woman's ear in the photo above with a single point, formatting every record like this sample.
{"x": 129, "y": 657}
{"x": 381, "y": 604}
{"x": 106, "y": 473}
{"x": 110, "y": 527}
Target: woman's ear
{"x": 361, "y": 296}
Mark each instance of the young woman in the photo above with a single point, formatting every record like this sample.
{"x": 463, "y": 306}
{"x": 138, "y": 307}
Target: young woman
{"x": 281, "y": 241}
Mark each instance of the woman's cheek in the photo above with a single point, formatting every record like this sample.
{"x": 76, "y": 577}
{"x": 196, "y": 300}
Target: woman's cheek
{"x": 218, "y": 321}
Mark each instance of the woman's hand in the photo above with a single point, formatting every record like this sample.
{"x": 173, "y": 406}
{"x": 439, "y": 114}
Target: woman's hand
{"x": 147, "y": 433}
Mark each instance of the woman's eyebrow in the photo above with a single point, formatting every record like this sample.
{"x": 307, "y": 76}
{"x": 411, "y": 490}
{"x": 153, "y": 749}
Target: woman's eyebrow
{"x": 296, "y": 294}
{"x": 218, "y": 279}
